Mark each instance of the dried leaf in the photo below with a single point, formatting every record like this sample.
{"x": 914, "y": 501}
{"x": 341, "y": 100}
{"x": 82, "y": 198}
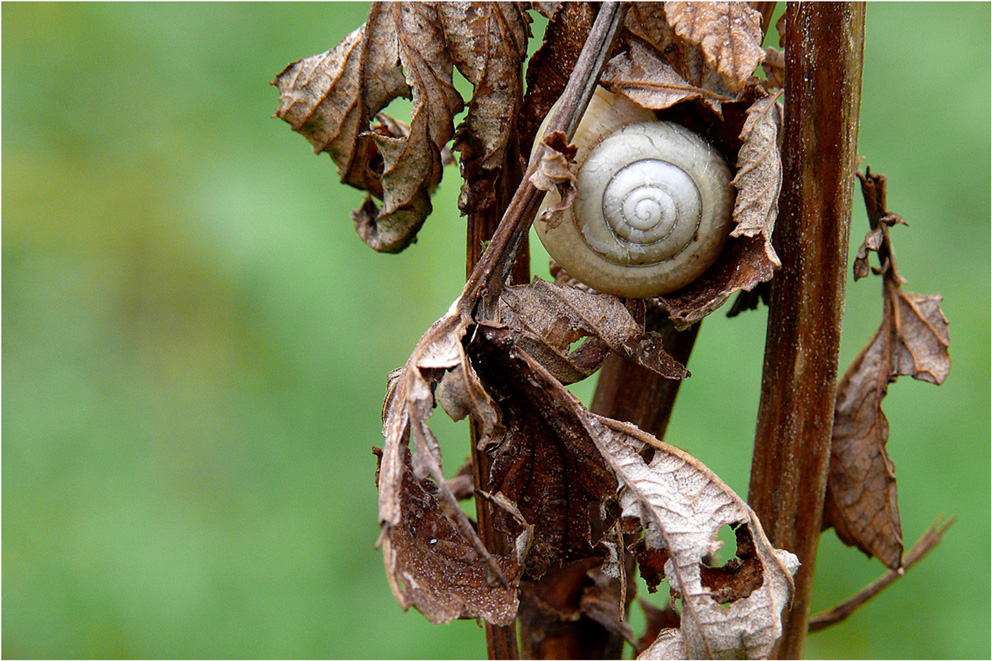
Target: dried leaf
{"x": 488, "y": 43}
{"x": 540, "y": 462}
{"x": 554, "y": 318}
{"x": 554, "y": 174}
{"x": 416, "y": 504}
{"x": 644, "y": 77}
{"x": 681, "y": 505}
{"x": 648, "y": 23}
{"x": 913, "y": 340}
{"x": 728, "y": 32}
{"x": 759, "y": 172}
{"x": 861, "y": 487}
{"x": 872, "y": 242}
{"x": 432, "y": 568}
{"x": 330, "y": 99}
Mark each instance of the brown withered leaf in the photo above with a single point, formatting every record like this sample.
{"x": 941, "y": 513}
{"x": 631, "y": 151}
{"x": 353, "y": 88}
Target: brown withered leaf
{"x": 861, "y": 501}
{"x": 554, "y": 174}
{"x": 551, "y": 319}
{"x": 647, "y": 22}
{"x": 759, "y": 172}
{"x": 680, "y": 504}
{"x": 643, "y": 76}
{"x": 331, "y": 98}
{"x": 434, "y": 569}
{"x": 729, "y": 34}
{"x": 414, "y": 496}
{"x": 748, "y": 259}
{"x": 488, "y": 43}
{"x": 540, "y": 461}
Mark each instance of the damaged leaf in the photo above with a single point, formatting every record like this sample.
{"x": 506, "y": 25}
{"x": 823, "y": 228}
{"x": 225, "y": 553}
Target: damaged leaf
{"x": 434, "y": 569}
{"x": 861, "y": 486}
{"x": 728, "y": 32}
{"x": 681, "y": 505}
{"x": 488, "y": 43}
{"x": 330, "y": 99}
{"x": 553, "y": 318}
{"x": 861, "y": 503}
{"x": 416, "y": 504}
{"x": 648, "y": 23}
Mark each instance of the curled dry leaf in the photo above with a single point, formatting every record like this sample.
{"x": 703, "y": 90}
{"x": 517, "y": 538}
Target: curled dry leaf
{"x": 913, "y": 340}
{"x": 759, "y": 172}
{"x": 647, "y": 22}
{"x": 554, "y": 174}
{"x": 729, "y": 34}
{"x": 861, "y": 500}
{"x": 643, "y": 76}
{"x": 488, "y": 43}
{"x": 681, "y": 505}
{"x": 330, "y": 99}
{"x": 432, "y": 567}
{"x": 453, "y": 576}
{"x": 552, "y": 319}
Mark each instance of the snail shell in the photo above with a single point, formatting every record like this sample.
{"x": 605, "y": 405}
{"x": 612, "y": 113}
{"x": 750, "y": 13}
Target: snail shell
{"x": 653, "y": 206}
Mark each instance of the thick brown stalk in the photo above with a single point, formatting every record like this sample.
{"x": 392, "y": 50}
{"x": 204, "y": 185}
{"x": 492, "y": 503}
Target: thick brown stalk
{"x": 824, "y": 46}
{"x": 488, "y": 269}
{"x": 501, "y": 642}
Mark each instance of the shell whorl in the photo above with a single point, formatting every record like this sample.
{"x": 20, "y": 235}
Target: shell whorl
{"x": 653, "y": 205}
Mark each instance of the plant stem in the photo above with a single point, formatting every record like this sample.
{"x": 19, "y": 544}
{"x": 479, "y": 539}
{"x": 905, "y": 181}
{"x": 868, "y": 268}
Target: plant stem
{"x": 489, "y": 269}
{"x": 824, "y": 49}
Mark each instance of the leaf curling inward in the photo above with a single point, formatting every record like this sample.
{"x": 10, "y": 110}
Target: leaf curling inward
{"x": 414, "y": 497}
{"x": 332, "y": 97}
{"x": 861, "y": 501}
{"x": 681, "y": 505}
{"x": 729, "y": 34}
{"x": 553, "y": 318}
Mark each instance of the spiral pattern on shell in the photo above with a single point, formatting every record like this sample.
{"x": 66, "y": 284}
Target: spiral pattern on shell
{"x": 653, "y": 207}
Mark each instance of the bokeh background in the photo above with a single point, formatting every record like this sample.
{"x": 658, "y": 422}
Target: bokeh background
{"x": 195, "y": 344}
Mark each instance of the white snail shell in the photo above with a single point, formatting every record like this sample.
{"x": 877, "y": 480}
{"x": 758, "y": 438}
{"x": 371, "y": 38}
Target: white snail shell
{"x": 653, "y": 206}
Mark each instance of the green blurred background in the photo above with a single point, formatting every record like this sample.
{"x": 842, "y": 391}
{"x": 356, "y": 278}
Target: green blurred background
{"x": 195, "y": 344}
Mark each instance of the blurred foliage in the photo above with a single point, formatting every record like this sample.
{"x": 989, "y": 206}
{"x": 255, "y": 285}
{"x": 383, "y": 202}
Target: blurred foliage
{"x": 195, "y": 344}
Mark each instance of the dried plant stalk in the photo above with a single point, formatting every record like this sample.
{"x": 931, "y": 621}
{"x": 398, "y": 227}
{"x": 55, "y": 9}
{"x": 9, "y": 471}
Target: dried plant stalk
{"x": 824, "y": 44}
